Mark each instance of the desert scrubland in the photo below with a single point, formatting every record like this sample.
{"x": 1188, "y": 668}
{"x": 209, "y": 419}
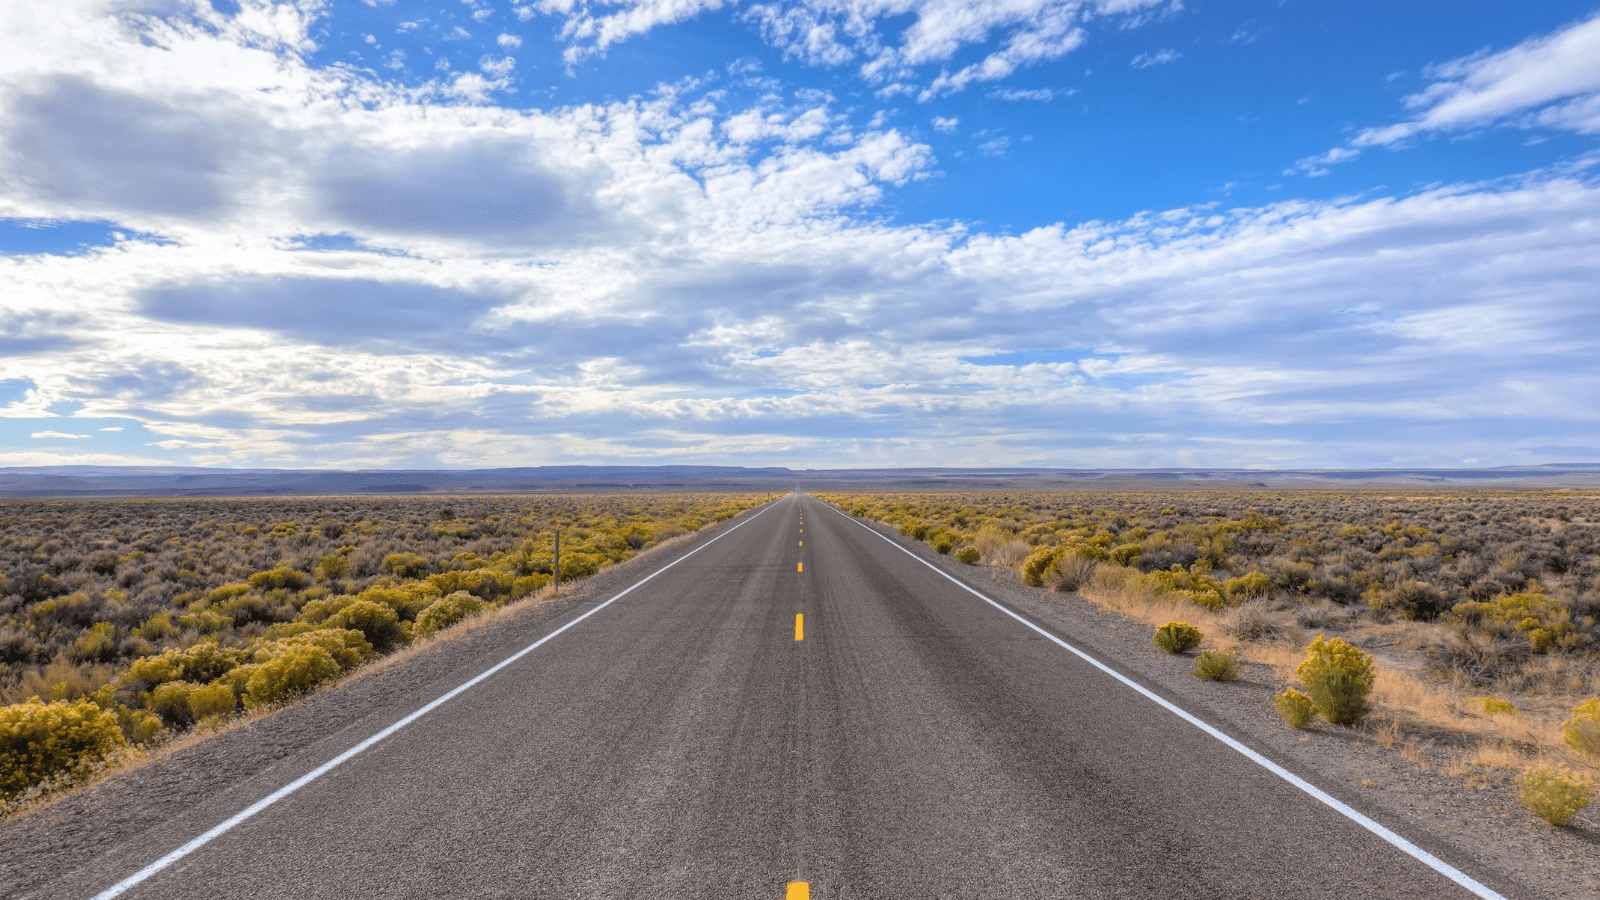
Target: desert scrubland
{"x": 1469, "y": 622}
{"x": 124, "y": 623}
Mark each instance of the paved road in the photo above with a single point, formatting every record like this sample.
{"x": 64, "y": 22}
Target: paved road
{"x": 681, "y": 743}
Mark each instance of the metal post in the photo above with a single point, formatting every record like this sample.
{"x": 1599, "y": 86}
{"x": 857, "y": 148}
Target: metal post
{"x": 558, "y": 562}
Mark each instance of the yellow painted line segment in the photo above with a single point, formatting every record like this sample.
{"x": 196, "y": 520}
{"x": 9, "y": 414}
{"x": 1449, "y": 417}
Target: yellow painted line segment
{"x": 799, "y": 626}
{"x": 797, "y": 890}
{"x": 799, "y": 567}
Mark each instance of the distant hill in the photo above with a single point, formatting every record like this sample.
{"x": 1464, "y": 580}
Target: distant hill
{"x": 177, "y": 481}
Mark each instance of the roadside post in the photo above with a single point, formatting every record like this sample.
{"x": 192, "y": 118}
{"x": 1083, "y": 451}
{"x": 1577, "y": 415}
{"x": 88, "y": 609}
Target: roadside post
{"x": 557, "y": 569}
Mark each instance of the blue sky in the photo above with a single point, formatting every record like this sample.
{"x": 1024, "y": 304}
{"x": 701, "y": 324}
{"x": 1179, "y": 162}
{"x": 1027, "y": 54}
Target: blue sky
{"x": 817, "y": 233}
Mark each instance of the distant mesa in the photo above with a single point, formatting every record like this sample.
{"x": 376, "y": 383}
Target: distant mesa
{"x": 179, "y": 481}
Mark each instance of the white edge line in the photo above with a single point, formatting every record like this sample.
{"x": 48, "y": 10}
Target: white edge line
{"x": 1421, "y": 855}
{"x": 218, "y": 830}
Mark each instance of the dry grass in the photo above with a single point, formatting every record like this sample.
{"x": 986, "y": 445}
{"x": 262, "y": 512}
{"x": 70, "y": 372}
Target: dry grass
{"x": 1407, "y": 705}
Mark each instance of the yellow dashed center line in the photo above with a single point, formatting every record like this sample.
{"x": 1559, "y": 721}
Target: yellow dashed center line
{"x": 799, "y": 567}
{"x": 799, "y": 626}
{"x": 797, "y": 890}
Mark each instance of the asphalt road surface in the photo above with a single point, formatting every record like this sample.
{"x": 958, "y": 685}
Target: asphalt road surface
{"x": 681, "y": 742}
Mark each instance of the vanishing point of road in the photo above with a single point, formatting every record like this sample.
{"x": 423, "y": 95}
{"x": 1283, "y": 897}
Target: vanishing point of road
{"x": 796, "y": 708}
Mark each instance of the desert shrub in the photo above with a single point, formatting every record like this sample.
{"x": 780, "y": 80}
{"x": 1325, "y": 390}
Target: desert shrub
{"x": 255, "y": 607}
{"x": 447, "y": 611}
{"x": 41, "y": 741}
{"x": 942, "y": 546}
{"x": 1037, "y": 564}
{"x": 348, "y": 648}
{"x": 62, "y": 679}
{"x": 1495, "y": 706}
{"x": 1582, "y": 731}
{"x": 969, "y": 555}
{"x": 280, "y": 578}
{"x": 407, "y": 600}
{"x": 1295, "y": 707}
{"x": 576, "y": 564}
{"x": 1415, "y": 600}
{"x": 1126, "y": 554}
{"x": 209, "y": 700}
{"x": 238, "y": 680}
{"x": 482, "y": 584}
{"x": 1338, "y": 678}
{"x": 915, "y": 530}
{"x": 1544, "y": 620}
{"x": 97, "y": 644}
{"x": 1196, "y": 587}
{"x": 296, "y": 670}
{"x": 333, "y": 566}
{"x": 377, "y": 622}
{"x": 406, "y": 565}
{"x": 1177, "y": 637}
{"x": 1216, "y": 665}
{"x": 1072, "y": 571}
{"x": 1257, "y": 621}
{"x": 203, "y": 662}
{"x": 527, "y": 584}
{"x": 170, "y": 701}
{"x": 1555, "y": 795}
{"x": 1246, "y": 587}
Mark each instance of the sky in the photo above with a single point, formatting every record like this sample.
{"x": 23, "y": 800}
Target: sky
{"x": 368, "y": 234}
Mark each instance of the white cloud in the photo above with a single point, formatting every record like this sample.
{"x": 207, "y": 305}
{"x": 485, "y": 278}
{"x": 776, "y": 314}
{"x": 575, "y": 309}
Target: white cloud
{"x": 836, "y": 32}
{"x": 1159, "y": 58}
{"x": 52, "y": 435}
{"x": 509, "y": 41}
{"x": 112, "y": 428}
{"x": 946, "y": 124}
{"x": 1036, "y": 94}
{"x": 1547, "y": 82}
{"x": 498, "y": 68}
{"x": 673, "y": 279}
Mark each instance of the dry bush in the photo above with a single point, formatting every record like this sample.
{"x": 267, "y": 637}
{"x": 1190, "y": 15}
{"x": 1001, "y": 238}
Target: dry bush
{"x": 1295, "y": 707}
{"x": 1555, "y": 795}
{"x": 1581, "y": 732}
{"x": 1216, "y": 665}
{"x": 1338, "y": 678}
{"x": 1071, "y": 572}
{"x": 1007, "y": 555}
{"x": 1258, "y": 621}
{"x": 1177, "y": 637}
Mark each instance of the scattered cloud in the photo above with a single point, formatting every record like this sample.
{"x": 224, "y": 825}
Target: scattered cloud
{"x": 1159, "y": 58}
{"x": 947, "y": 125}
{"x": 55, "y": 435}
{"x": 1549, "y": 82}
{"x": 1035, "y": 94}
{"x": 509, "y": 41}
{"x": 870, "y": 34}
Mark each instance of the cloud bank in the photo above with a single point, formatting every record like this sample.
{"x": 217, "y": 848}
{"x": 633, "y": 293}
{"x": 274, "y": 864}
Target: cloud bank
{"x": 351, "y": 274}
